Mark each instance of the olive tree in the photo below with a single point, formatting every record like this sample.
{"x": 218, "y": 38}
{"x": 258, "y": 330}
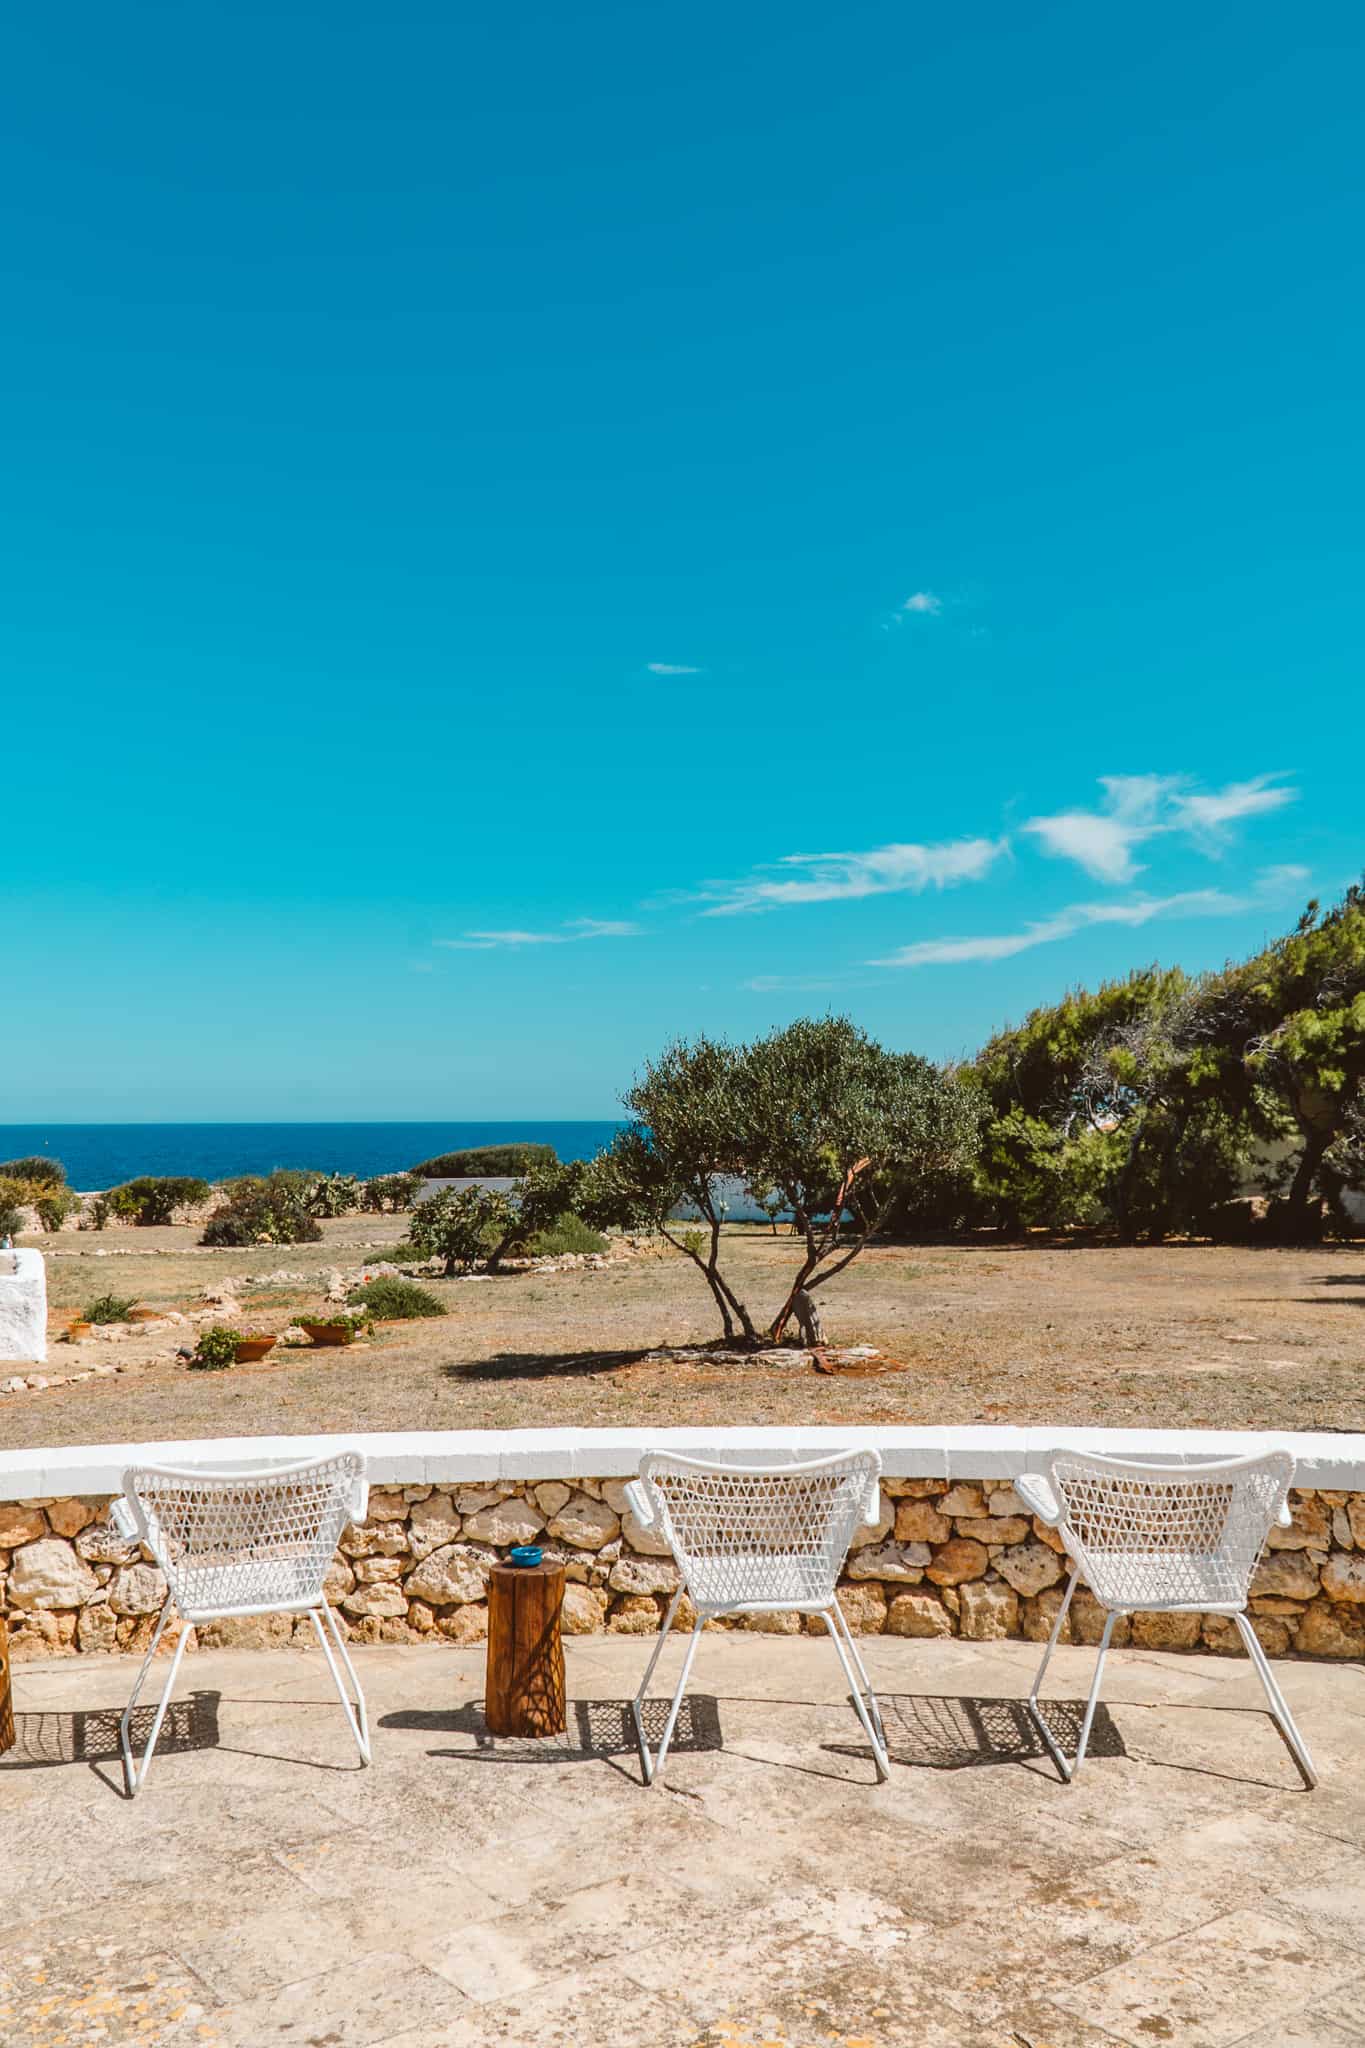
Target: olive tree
{"x": 819, "y": 1114}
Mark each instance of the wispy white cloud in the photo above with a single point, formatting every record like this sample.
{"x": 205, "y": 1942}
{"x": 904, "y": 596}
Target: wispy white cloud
{"x": 1137, "y": 808}
{"x": 1272, "y": 885}
{"x": 839, "y": 877}
{"x": 578, "y": 928}
{"x": 672, "y": 668}
{"x": 923, "y": 602}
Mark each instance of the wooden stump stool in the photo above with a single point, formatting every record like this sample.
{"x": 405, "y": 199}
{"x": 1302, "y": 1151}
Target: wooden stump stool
{"x": 524, "y": 1689}
{"x": 6, "y": 1698}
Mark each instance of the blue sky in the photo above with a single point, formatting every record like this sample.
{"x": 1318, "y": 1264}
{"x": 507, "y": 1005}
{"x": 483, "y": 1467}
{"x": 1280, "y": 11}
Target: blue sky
{"x": 527, "y": 531}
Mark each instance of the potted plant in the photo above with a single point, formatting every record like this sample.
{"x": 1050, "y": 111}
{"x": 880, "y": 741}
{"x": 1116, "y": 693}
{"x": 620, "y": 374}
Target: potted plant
{"x": 337, "y": 1326}
{"x": 251, "y": 1349}
{"x": 216, "y": 1349}
{"x": 77, "y": 1328}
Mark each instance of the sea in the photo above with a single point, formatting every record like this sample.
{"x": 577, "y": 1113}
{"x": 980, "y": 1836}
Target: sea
{"x": 102, "y": 1155}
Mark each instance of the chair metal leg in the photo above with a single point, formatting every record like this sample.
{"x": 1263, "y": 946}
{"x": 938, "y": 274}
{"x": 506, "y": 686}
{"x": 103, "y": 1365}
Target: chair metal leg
{"x": 653, "y": 1766}
{"x": 356, "y": 1718}
{"x": 1284, "y": 1720}
{"x": 134, "y": 1779}
{"x": 1069, "y": 1768}
{"x": 862, "y": 1694}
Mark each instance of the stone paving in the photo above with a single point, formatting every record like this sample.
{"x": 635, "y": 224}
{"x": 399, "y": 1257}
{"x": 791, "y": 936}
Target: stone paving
{"x": 465, "y": 1892}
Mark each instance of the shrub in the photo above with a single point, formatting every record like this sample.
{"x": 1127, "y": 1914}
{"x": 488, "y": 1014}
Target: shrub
{"x": 567, "y": 1233}
{"x": 391, "y": 1191}
{"x": 12, "y": 1217}
{"x": 390, "y": 1300}
{"x": 333, "y": 1194}
{"x": 55, "y": 1206}
{"x": 97, "y": 1215}
{"x": 154, "y": 1198}
{"x": 109, "y": 1308}
{"x": 41, "y": 1172}
{"x": 460, "y": 1226}
{"x": 216, "y": 1349}
{"x": 269, "y": 1210}
{"x": 478, "y": 1162}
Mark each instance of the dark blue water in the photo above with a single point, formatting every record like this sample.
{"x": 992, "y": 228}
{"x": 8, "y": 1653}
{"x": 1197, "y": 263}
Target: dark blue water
{"x": 101, "y": 1155}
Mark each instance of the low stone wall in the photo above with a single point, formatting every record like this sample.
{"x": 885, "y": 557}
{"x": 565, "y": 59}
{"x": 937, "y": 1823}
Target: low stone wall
{"x": 946, "y": 1557}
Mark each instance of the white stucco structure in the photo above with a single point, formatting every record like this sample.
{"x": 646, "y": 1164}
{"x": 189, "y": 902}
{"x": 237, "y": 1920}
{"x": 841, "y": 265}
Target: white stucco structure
{"x": 23, "y": 1307}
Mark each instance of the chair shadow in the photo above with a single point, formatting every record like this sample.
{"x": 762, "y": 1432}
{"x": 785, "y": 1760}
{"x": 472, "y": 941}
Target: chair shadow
{"x": 597, "y": 1729}
{"x": 43, "y": 1741}
{"x": 957, "y": 1732}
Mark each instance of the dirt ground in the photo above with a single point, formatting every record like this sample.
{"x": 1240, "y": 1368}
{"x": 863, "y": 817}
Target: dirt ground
{"x": 1171, "y": 1335}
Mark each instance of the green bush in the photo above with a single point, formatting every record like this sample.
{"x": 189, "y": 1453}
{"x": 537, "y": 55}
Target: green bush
{"x": 390, "y": 1300}
{"x": 481, "y": 1162}
{"x": 269, "y": 1210}
{"x": 566, "y": 1234}
{"x": 333, "y": 1194}
{"x": 109, "y": 1308}
{"x": 11, "y": 1214}
{"x": 391, "y": 1191}
{"x": 97, "y": 1215}
{"x": 154, "y": 1198}
{"x": 42, "y": 1172}
{"x": 216, "y": 1349}
{"x": 461, "y": 1226}
{"x": 55, "y": 1206}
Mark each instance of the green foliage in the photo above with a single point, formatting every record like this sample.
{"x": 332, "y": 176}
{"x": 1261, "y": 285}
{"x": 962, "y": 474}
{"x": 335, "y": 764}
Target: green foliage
{"x": 390, "y": 1300}
{"x": 390, "y": 1191}
{"x": 96, "y": 1216}
{"x": 818, "y": 1113}
{"x": 109, "y": 1308}
{"x": 37, "y": 1169}
{"x": 330, "y": 1317}
{"x": 265, "y": 1210}
{"x": 55, "y": 1206}
{"x": 154, "y": 1198}
{"x": 480, "y": 1162}
{"x": 333, "y": 1194}
{"x": 12, "y": 1217}
{"x": 216, "y": 1349}
{"x": 568, "y": 1233}
{"x": 462, "y": 1226}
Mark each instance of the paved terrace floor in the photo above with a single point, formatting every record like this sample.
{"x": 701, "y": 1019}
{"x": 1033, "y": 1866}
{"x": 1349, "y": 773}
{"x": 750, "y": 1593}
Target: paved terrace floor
{"x": 467, "y": 1892}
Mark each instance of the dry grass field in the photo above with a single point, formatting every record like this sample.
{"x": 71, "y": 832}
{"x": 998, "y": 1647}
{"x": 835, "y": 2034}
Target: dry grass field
{"x": 988, "y": 1332}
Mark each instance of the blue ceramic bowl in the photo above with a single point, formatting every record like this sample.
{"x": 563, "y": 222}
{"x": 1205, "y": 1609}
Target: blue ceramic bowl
{"x": 525, "y": 1555}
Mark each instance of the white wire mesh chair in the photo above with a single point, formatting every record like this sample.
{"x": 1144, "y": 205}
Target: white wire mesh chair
{"x": 759, "y": 1539}
{"x": 1174, "y": 1539}
{"x": 243, "y": 1543}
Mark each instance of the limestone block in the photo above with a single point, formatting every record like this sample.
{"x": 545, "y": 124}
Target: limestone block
{"x": 918, "y": 1614}
{"x": 1343, "y": 1577}
{"x": 993, "y": 1529}
{"x": 784, "y": 1624}
{"x": 963, "y": 1499}
{"x": 919, "y": 1521}
{"x": 1287, "y": 1572}
{"x": 1331, "y": 1629}
{"x": 338, "y": 1581}
{"x": 990, "y": 1610}
{"x": 635, "y": 1614}
{"x": 467, "y": 1624}
{"x": 1311, "y": 1529}
{"x": 387, "y": 1504}
{"x": 863, "y": 1607}
{"x": 48, "y": 1574}
{"x": 69, "y": 1517}
{"x": 873, "y": 1532}
{"x": 456, "y": 1573}
{"x": 644, "y": 1575}
{"x": 585, "y": 1523}
{"x": 1355, "y": 1514}
{"x": 137, "y": 1589}
{"x": 379, "y": 1600}
{"x": 432, "y": 1523}
{"x": 505, "y": 1521}
{"x": 958, "y": 1560}
{"x": 379, "y": 1571}
{"x": 20, "y": 1523}
{"x": 551, "y": 1496}
{"x": 649, "y": 1542}
{"x": 1030, "y": 1567}
{"x": 584, "y": 1610}
{"x": 99, "y": 1544}
{"x": 1165, "y": 1631}
{"x": 97, "y": 1628}
{"x": 901, "y": 1563}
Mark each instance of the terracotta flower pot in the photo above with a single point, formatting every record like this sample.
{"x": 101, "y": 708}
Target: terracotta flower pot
{"x": 144, "y": 1315}
{"x": 327, "y": 1333}
{"x": 78, "y": 1328}
{"x": 250, "y": 1349}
